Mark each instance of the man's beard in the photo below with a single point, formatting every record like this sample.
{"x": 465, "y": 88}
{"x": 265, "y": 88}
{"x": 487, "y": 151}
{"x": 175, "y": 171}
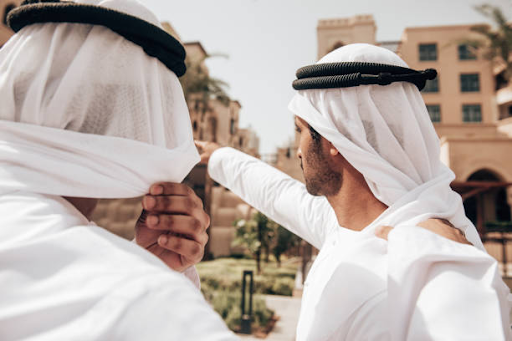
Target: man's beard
{"x": 321, "y": 179}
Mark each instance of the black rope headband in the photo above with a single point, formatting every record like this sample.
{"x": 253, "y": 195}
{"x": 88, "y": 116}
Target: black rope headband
{"x": 349, "y": 74}
{"x": 155, "y": 41}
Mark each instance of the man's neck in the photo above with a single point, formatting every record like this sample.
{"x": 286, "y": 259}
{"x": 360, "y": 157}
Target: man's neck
{"x": 355, "y": 205}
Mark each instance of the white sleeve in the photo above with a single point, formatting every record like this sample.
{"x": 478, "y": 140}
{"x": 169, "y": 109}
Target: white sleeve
{"x": 442, "y": 290}
{"x": 275, "y": 194}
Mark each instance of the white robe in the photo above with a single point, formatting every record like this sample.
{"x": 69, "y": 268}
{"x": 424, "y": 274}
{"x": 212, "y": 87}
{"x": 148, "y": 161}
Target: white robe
{"x": 63, "y": 278}
{"x": 415, "y": 286}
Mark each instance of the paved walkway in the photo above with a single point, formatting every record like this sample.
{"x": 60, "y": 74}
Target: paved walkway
{"x": 287, "y": 308}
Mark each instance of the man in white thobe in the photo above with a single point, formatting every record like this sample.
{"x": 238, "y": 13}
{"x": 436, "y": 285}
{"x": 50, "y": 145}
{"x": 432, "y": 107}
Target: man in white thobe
{"x": 370, "y": 158}
{"x": 87, "y": 113}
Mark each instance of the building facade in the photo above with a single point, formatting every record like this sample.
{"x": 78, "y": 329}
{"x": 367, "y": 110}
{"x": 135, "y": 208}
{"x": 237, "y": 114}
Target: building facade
{"x": 474, "y": 127}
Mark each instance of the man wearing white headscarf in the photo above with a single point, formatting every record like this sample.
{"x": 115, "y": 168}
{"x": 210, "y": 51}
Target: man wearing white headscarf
{"x": 91, "y": 107}
{"x": 370, "y": 158}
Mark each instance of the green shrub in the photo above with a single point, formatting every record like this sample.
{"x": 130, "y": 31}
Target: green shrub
{"x": 228, "y": 305}
{"x": 225, "y": 274}
{"x": 283, "y": 286}
{"x": 261, "y": 314}
{"x": 224, "y": 301}
{"x": 233, "y": 319}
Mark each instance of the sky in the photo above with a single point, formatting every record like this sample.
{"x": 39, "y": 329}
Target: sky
{"x": 266, "y": 41}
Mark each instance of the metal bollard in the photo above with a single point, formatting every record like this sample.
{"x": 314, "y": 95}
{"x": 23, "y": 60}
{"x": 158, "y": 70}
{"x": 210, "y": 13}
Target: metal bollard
{"x": 246, "y": 317}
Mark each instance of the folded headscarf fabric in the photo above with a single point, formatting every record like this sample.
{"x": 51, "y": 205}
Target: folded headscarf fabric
{"x": 385, "y": 132}
{"x": 67, "y": 84}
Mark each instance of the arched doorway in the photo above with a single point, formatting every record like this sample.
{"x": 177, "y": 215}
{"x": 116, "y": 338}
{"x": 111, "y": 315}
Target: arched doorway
{"x": 485, "y": 202}
{"x": 336, "y": 45}
{"x": 487, "y": 206}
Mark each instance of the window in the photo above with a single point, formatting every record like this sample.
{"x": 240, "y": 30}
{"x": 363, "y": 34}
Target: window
{"x": 466, "y": 53}
{"x": 431, "y": 85}
{"x": 232, "y": 128}
{"x": 428, "y": 52}
{"x": 7, "y": 9}
{"x": 471, "y": 113}
{"x": 434, "y": 111}
{"x": 469, "y": 82}
{"x": 501, "y": 81}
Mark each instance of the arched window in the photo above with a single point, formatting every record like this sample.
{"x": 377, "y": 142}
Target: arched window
{"x": 493, "y": 202}
{"x": 232, "y": 127}
{"x": 7, "y": 9}
{"x": 336, "y": 45}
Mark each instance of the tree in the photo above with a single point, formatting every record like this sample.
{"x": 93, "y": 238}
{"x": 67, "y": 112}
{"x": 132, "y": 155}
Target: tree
{"x": 266, "y": 232}
{"x": 256, "y": 235}
{"x": 497, "y": 42}
{"x": 198, "y": 86}
{"x": 285, "y": 240}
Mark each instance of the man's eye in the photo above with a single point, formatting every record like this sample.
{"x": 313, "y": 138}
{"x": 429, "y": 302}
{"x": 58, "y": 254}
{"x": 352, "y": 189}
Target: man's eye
{"x": 297, "y": 129}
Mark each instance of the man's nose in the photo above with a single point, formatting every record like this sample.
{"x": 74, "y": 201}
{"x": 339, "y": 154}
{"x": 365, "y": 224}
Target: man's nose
{"x": 299, "y": 153}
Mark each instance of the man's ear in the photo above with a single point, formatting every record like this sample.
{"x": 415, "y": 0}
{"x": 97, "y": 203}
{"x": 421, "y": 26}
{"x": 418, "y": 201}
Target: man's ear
{"x": 332, "y": 150}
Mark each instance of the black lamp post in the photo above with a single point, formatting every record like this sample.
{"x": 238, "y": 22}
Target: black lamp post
{"x": 246, "y": 316}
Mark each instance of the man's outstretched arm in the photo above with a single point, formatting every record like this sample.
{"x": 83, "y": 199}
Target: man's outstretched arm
{"x": 275, "y": 194}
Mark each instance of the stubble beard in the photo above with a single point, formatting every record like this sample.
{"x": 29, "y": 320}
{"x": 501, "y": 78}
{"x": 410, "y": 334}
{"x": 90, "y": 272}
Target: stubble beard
{"x": 321, "y": 180}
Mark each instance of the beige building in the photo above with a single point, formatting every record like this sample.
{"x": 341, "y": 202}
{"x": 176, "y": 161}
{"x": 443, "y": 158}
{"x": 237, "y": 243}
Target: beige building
{"x": 287, "y": 160}
{"x": 470, "y": 107}
{"x": 334, "y": 33}
{"x": 218, "y": 121}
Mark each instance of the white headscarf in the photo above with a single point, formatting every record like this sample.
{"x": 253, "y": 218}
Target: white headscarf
{"x": 385, "y": 133}
{"x": 95, "y": 115}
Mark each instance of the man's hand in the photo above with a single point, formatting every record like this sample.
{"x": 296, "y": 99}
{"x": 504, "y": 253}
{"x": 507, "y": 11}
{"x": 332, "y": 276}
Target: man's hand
{"x": 173, "y": 225}
{"x": 206, "y": 150}
{"x": 441, "y": 227}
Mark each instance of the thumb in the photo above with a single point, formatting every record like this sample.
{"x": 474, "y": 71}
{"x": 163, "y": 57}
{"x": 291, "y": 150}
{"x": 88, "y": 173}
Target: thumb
{"x": 200, "y": 144}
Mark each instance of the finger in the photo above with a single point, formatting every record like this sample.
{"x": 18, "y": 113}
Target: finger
{"x": 170, "y": 188}
{"x": 186, "y": 225}
{"x": 383, "y": 231}
{"x": 187, "y": 248}
{"x": 205, "y": 158}
{"x": 200, "y": 144}
{"x": 173, "y": 188}
{"x": 172, "y": 204}
{"x": 445, "y": 229}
